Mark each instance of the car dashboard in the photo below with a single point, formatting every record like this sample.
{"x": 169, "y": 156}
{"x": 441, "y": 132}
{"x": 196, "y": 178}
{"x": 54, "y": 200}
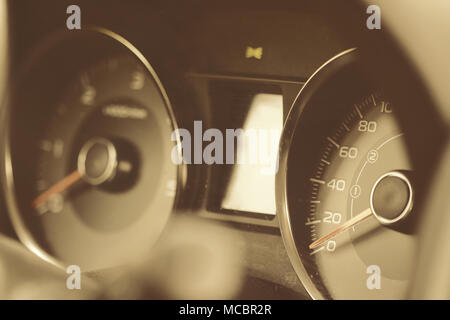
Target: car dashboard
{"x": 216, "y": 151}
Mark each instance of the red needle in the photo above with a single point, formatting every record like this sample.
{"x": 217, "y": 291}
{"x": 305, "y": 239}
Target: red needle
{"x": 345, "y": 226}
{"x": 56, "y": 188}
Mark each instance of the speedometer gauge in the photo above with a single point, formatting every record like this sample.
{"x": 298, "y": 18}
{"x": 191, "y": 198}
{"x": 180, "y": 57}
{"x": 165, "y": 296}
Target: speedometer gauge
{"x": 345, "y": 188}
{"x": 88, "y": 152}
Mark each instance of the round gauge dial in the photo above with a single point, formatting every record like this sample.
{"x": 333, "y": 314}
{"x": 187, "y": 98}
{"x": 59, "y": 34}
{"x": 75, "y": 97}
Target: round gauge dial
{"x": 366, "y": 145}
{"x": 92, "y": 181}
{"x": 345, "y": 188}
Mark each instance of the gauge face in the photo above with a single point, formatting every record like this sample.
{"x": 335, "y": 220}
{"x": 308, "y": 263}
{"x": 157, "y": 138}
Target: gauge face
{"x": 90, "y": 150}
{"x": 347, "y": 182}
{"x": 367, "y": 144}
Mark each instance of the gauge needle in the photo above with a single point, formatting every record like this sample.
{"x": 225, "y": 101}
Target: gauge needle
{"x": 58, "y": 187}
{"x": 345, "y": 226}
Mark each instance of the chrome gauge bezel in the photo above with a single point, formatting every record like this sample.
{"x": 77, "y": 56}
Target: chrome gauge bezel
{"x": 320, "y": 76}
{"x": 409, "y": 204}
{"x": 52, "y": 41}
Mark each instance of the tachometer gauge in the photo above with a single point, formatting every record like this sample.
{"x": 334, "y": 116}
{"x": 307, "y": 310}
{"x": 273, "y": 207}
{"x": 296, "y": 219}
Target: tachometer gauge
{"x": 88, "y": 152}
{"x": 345, "y": 188}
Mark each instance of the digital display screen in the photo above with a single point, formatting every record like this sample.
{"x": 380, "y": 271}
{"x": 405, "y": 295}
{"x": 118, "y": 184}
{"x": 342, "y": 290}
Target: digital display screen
{"x": 256, "y": 174}
{"x": 252, "y": 120}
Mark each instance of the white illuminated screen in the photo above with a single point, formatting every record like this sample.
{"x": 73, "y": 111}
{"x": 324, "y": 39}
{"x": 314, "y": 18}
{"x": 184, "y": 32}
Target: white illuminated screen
{"x": 252, "y": 185}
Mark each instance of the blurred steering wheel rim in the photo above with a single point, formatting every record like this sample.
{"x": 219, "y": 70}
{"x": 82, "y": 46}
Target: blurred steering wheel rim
{"x": 432, "y": 279}
{"x": 3, "y": 52}
{"x": 430, "y": 51}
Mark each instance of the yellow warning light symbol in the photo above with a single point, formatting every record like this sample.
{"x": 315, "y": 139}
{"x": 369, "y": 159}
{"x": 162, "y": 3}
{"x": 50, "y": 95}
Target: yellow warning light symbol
{"x": 255, "y": 53}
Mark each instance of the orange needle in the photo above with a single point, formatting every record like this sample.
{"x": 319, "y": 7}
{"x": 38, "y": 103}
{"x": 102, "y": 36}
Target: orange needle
{"x": 345, "y": 226}
{"x": 57, "y": 188}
